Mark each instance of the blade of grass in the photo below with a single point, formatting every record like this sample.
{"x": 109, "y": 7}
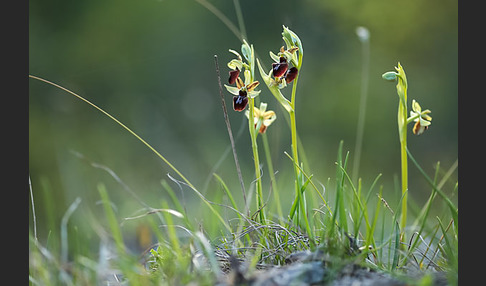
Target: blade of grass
{"x": 355, "y": 210}
{"x": 449, "y": 250}
{"x": 422, "y": 217}
{"x": 396, "y": 249}
{"x": 154, "y": 211}
{"x": 51, "y": 207}
{"x": 271, "y": 172}
{"x": 370, "y": 234}
{"x": 34, "y": 220}
{"x": 297, "y": 201}
{"x": 382, "y": 238}
{"x": 452, "y": 207}
{"x": 339, "y": 207}
{"x": 425, "y": 210}
{"x": 124, "y": 261}
{"x": 311, "y": 182}
{"x": 343, "y": 218}
{"x": 171, "y": 232}
{"x": 221, "y": 16}
{"x": 112, "y": 221}
{"x": 303, "y": 209}
{"x": 428, "y": 247}
{"x": 447, "y": 174}
{"x": 362, "y": 205}
{"x": 439, "y": 246}
{"x": 228, "y": 193}
{"x": 239, "y": 16}
{"x": 64, "y": 222}
{"x": 113, "y": 174}
{"x": 176, "y": 202}
{"x": 301, "y": 203}
{"x": 206, "y": 201}
{"x": 205, "y": 246}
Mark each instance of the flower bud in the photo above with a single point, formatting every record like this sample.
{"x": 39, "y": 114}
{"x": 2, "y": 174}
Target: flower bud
{"x": 390, "y": 76}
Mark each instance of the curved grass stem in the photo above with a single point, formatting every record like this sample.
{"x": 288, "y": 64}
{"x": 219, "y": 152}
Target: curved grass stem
{"x": 299, "y": 193}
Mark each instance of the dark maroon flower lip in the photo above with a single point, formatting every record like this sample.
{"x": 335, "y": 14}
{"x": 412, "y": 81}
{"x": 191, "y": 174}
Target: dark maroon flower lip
{"x": 239, "y": 102}
{"x": 233, "y": 76}
{"x": 280, "y": 68}
{"x": 291, "y": 74}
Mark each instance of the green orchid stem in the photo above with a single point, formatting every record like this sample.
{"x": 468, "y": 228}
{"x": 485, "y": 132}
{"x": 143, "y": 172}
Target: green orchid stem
{"x": 403, "y": 155}
{"x": 403, "y": 121}
{"x": 402, "y": 87}
{"x": 299, "y": 207}
{"x": 293, "y": 125}
{"x": 293, "y": 131}
{"x": 254, "y": 147}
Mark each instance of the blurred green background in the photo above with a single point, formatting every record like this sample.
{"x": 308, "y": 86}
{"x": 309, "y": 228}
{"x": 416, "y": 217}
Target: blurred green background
{"x": 150, "y": 64}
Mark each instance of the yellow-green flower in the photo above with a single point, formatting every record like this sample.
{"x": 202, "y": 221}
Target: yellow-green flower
{"x": 263, "y": 118}
{"x": 421, "y": 118}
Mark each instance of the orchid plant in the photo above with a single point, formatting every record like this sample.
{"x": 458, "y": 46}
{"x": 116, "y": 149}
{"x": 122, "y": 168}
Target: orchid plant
{"x": 244, "y": 95}
{"x": 422, "y": 122}
{"x": 284, "y": 71}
